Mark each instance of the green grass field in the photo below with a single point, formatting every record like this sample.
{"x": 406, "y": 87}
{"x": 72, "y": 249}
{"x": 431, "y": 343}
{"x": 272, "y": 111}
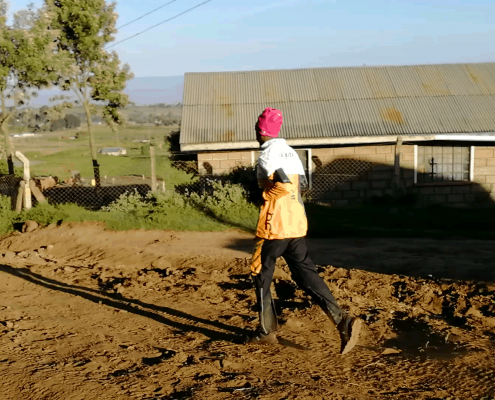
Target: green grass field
{"x": 50, "y": 154}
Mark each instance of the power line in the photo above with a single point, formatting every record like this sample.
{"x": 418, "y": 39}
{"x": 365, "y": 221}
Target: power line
{"x": 154, "y": 26}
{"x": 142, "y": 16}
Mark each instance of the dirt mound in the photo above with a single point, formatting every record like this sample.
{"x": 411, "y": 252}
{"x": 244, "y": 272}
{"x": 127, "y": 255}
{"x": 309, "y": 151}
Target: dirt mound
{"x": 87, "y": 313}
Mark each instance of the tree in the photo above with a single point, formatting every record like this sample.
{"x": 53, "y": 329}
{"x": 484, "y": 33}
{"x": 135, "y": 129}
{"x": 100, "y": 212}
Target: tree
{"x": 25, "y": 19}
{"x": 84, "y": 28}
{"x": 26, "y": 61}
{"x": 72, "y": 121}
{"x": 57, "y": 125}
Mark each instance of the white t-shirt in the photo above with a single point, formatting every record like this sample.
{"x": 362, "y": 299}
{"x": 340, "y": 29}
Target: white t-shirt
{"x": 275, "y": 154}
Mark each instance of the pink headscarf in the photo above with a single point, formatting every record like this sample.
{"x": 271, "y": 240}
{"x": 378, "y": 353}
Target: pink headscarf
{"x": 270, "y": 122}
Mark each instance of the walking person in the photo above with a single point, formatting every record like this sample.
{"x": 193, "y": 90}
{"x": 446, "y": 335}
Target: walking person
{"x": 281, "y": 231}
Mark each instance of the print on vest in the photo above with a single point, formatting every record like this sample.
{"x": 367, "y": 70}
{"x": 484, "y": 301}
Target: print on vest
{"x": 268, "y": 225}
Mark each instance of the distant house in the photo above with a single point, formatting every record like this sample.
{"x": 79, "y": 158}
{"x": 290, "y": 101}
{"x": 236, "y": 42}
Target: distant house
{"x": 24, "y": 135}
{"x": 362, "y": 132}
{"x": 113, "y": 151}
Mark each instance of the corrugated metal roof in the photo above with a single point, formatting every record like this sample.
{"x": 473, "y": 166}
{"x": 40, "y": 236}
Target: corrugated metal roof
{"x": 341, "y": 102}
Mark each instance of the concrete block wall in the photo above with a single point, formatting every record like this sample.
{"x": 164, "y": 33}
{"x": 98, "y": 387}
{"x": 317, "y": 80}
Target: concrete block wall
{"x": 479, "y": 192}
{"x": 376, "y": 163}
{"x": 221, "y": 163}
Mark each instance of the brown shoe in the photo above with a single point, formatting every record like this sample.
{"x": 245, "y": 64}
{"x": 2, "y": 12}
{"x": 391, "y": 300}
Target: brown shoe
{"x": 349, "y": 329}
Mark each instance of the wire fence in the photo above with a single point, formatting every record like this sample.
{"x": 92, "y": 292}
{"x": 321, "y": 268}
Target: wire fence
{"x": 336, "y": 176}
{"x": 9, "y": 186}
{"x": 324, "y": 180}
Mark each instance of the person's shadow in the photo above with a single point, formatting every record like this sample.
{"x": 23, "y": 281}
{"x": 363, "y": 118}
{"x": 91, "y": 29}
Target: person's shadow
{"x": 186, "y": 323}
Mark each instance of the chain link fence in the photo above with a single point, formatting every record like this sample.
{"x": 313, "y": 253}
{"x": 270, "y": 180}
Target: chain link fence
{"x": 9, "y": 186}
{"x": 187, "y": 179}
{"x": 335, "y": 176}
{"x": 324, "y": 179}
{"x": 83, "y": 194}
{"x": 94, "y": 198}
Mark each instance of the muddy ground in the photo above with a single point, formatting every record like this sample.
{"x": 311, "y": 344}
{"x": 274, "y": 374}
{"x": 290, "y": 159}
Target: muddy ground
{"x": 92, "y": 314}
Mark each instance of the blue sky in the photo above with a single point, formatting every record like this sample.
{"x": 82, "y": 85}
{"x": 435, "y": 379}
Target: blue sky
{"x": 229, "y": 35}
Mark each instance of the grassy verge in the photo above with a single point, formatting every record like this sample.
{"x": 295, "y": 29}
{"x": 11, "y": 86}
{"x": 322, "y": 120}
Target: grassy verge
{"x": 227, "y": 209}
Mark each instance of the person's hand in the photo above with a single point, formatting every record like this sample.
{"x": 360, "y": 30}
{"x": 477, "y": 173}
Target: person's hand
{"x": 256, "y": 258}
{"x": 265, "y": 183}
{"x": 277, "y": 191}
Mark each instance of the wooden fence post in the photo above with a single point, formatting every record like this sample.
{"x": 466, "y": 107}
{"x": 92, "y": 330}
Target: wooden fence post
{"x": 153, "y": 169}
{"x": 20, "y": 197}
{"x": 27, "y": 178}
{"x": 36, "y": 192}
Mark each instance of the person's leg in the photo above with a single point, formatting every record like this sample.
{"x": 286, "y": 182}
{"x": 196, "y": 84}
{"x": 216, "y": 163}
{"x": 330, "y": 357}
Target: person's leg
{"x": 306, "y": 276}
{"x": 270, "y": 251}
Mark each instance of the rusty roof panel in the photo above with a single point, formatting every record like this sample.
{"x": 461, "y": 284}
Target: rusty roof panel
{"x": 431, "y": 80}
{"x": 405, "y": 81}
{"x": 483, "y": 75}
{"x": 380, "y": 82}
{"x": 328, "y": 84}
{"x": 341, "y": 102}
{"x": 460, "y": 82}
{"x": 274, "y": 87}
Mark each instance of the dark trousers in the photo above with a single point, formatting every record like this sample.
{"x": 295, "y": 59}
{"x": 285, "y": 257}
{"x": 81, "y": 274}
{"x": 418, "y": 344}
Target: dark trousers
{"x": 303, "y": 272}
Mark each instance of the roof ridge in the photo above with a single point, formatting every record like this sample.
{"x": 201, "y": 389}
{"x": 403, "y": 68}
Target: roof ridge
{"x": 341, "y": 67}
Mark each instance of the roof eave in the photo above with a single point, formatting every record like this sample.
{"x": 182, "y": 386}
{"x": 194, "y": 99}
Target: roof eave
{"x": 223, "y": 146}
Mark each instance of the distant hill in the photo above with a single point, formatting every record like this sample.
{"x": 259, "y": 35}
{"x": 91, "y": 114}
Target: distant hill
{"x": 142, "y": 91}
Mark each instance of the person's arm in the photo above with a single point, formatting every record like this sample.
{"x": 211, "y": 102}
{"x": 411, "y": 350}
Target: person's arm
{"x": 273, "y": 190}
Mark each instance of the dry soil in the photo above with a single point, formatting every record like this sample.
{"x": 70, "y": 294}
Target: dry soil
{"x": 87, "y": 313}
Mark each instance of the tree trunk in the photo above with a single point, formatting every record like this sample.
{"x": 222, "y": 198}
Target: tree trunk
{"x": 4, "y": 127}
{"x": 8, "y": 149}
{"x": 92, "y": 144}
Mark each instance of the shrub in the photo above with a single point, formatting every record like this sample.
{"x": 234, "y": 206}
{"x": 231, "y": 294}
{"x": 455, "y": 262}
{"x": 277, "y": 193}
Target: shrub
{"x": 228, "y": 203}
{"x": 43, "y": 214}
{"x": 129, "y": 203}
{"x": 6, "y": 215}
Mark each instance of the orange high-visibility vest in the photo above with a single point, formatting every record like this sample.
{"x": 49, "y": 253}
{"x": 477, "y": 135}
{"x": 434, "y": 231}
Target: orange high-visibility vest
{"x": 282, "y": 214}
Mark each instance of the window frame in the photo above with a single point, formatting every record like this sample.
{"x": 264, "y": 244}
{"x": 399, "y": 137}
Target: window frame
{"x": 471, "y": 170}
{"x": 308, "y": 167}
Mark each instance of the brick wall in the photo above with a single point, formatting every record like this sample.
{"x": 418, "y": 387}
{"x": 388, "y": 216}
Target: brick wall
{"x": 220, "y": 163}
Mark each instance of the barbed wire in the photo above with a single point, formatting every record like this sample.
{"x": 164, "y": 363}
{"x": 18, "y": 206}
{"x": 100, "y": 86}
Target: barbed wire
{"x": 144, "y": 15}
{"x": 161, "y": 23}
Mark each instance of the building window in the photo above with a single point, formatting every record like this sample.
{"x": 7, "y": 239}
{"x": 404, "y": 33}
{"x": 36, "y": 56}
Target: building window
{"x": 443, "y": 163}
{"x": 304, "y": 155}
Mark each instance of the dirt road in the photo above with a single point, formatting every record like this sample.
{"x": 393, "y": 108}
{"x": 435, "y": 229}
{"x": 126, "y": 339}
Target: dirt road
{"x": 92, "y": 314}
